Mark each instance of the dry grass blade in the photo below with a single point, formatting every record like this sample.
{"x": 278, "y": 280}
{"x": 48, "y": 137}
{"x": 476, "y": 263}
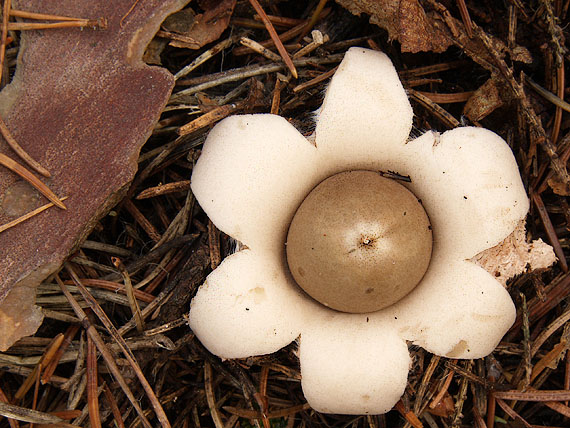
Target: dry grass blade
{"x": 114, "y": 407}
{"x": 546, "y": 362}
{"x": 254, "y": 414}
{"x": 20, "y": 151}
{"x": 25, "y": 26}
{"x": 214, "y": 245}
{"x": 27, "y": 415}
{"x": 135, "y": 309}
{"x": 436, "y": 109}
{"x": 559, "y": 407}
{"x": 27, "y": 216}
{"x": 164, "y": 189}
{"x": 51, "y": 365}
{"x": 458, "y": 97}
{"x": 314, "y": 18}
{"x": 208, "y": 385}
{"x": 547, "y": 95}
{"x": 465, "y": 17}
{"x": 92, "y": 395}
{"x": 533, "y": 395}
{"x": 547, "y": 332}
{"x": 31, "y": 178}
{"x": 253, "y": 45}
{"x": 12, "y": 422}
{"x": 5, "y": 18}
{"x": 509, "y": 411}
{"x": 209, "y": 118}
{"x": 122, "y": 345}
{"x": 106, "y": 354}
{"x": 275, "y": 37}
{"x": 143, "y": 222}
{"x": 46, "y": 358}
{"x": 410, "y": 416}
{"x": 550, "y": 232}
{"x": 47, "y": 17}
{"x": 204, "y": 57}
{"x": 315, "y": 81}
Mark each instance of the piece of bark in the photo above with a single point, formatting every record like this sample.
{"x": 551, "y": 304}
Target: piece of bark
{"x": 82, "y": 103}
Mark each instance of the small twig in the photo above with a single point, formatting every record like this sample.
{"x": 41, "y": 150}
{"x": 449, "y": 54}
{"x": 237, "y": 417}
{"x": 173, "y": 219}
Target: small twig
{"x": 105, "y": 353}
{"x": 533, "y": 395}
{"x": 315, "y": 81}
{"x": 52, "y": 365}
{"x": 47, "y": 356}
{"x": 254, "y": 414}
{"x": 217, "y": 79}
{"x": 204, "y": 57}
{"x": 436, "y": 109}
{"x": 31, "y": 178}
{"x": 548, "y": 331}
{"x": 27, "y": 216}
{"x": 28, "y": 415}
{"x": 253, "y": 45}
{"x": 92, "y": 387}
{"x": 164, "y": 189}
{"x": 48, "y": 17}
{"x": 24, "y": 26}
{"x": 276, "y": 99}
{"x": 143, "y": 222}
{"x": 122, "y": 345}
{"x": 314, "y": 18}
{"x": 20, "y": 151}
{"x": 135, "y": 309}
{"x": 5, "y": 18}
{"x": 208, "y": 386}
{"x": 458, "y": 97}
{"x": 464, "y": 12}
{"x": 408, "y": 415}
{"x": 550, "y": 232}
{"x": 214, "y": 245}
{"x": 509, "y": 411}
{"x": 210, "y": 118}
{"x": 275, "y": 37}
{"x": 428, "y": 373}
{"x": 549, "y": 96}
{"x": 126, "y": 15}
{"x": 318, "y": 40}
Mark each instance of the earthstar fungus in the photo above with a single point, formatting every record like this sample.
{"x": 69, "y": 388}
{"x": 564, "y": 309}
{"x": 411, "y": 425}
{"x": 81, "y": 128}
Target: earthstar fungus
{"x": 468, "y": 183}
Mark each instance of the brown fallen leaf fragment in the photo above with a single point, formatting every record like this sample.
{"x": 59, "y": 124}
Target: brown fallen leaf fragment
{"x": 405, "y": 21}
{"x": 84, "y": 116}
{"x": 484, "y": 101}
{"x": 191, "y": 31}
{"x": 514, "y": 255}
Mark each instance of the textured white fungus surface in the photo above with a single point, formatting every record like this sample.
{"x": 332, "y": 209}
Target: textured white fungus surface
{"x": 240, "y": 311}
{"x": 254, "y": 172}
{"x": 335, "y": 382}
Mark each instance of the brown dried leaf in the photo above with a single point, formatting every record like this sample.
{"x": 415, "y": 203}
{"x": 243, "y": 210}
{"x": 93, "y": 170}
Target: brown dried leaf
{"x": 195, "y": 31}
{"x": 483, "y": 102}
{"x": 514, "y": 255}
{"x": 82, "y": 103}
{"x": 405, "y": 21}
{"x": 416, "y": 30}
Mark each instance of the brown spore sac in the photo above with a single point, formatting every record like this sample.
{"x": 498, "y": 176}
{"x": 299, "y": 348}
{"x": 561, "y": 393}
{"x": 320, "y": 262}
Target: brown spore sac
{"x": 351, "y": 247}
